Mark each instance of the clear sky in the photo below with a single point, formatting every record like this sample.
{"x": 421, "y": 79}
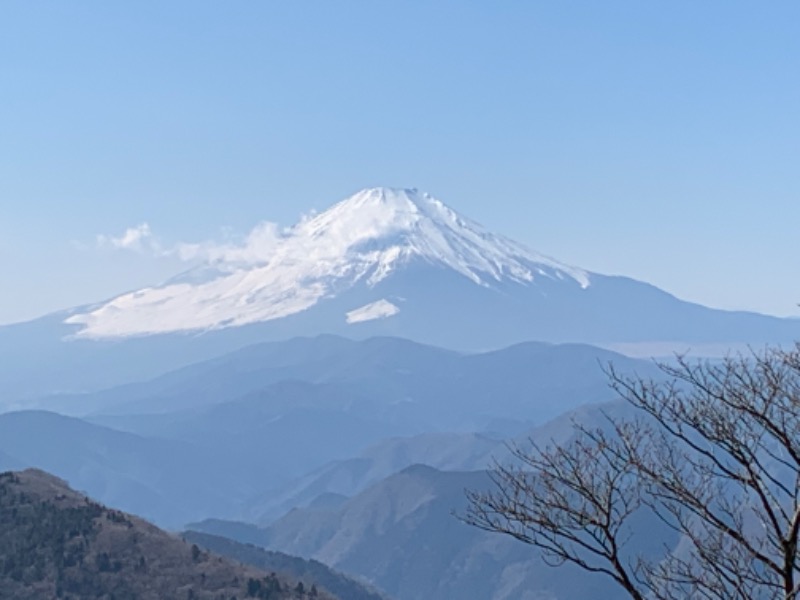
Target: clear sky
{"x": 659, "y": 140}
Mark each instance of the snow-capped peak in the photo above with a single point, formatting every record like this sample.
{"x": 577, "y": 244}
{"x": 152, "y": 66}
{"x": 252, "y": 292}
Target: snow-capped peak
{"x": 402, "y": 223}
{"x": 359, "y": 241}
{"x": 379, "y": 211}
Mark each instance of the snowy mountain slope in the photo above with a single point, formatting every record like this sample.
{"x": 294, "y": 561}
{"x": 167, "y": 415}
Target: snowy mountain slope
{"x": 361, "y": 240}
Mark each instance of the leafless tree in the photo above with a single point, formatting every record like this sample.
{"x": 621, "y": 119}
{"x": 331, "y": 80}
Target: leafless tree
{"x": 712, "y": 451}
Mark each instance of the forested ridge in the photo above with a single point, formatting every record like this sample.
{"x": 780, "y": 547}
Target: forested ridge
{"x": 57, "y": 543}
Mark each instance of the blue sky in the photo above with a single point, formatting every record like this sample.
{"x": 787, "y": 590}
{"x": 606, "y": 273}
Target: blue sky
{"x": 659, "y": 140}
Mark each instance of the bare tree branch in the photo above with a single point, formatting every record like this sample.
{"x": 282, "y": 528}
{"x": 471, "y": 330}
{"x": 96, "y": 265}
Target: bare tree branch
{"x": 714, "y": 454}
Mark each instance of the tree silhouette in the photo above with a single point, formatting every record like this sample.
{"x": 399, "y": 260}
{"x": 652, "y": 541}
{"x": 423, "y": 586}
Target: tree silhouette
{"x": 712, "y": 451}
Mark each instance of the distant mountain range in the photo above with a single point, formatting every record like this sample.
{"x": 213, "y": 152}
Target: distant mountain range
{"x": 162, "y": 480}
{"x": 56, "y": 543}
{"x": 383, "y": 262}
{"x": 402, "y": 532}
{"x": 333, "y": 484}
{"x": 402, "y": 535}
{"x": 422, "y": 386}
{"x": 253, "y": 433}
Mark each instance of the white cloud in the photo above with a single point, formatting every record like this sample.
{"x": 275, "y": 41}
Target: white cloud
{"x": 256, "y": 247}
{"x": 139, "y": 239}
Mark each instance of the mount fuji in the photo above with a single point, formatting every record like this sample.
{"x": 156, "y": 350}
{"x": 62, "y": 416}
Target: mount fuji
{"x": 361, "y": 244}
{"x": 394, "y": 262}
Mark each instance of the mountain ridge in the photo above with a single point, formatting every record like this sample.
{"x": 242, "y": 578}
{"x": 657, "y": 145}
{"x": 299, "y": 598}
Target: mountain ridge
{"x": 402, "y": 534}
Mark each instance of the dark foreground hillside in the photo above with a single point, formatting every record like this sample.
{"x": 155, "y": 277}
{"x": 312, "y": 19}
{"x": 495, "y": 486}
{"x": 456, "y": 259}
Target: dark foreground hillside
{"x": 298, "y": 568}
{"x": 57, "y": 543}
